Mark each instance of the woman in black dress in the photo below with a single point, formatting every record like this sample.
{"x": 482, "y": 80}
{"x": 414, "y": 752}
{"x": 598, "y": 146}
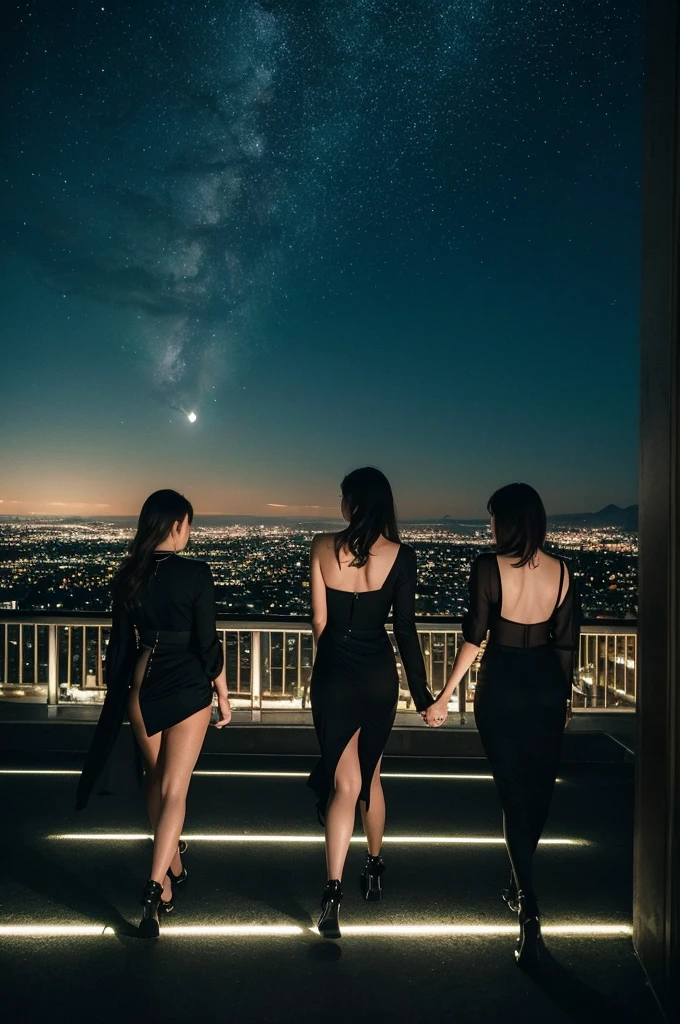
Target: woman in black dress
{"x": 527, "y": 602}
{"x": 356, "y": 577}
{"x": 163, "y": 660}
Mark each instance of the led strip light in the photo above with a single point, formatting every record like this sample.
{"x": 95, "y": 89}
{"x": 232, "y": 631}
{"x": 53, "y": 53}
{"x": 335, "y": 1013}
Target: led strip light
{"x": 287, "y": 931}
{"x": 127, "y": 837}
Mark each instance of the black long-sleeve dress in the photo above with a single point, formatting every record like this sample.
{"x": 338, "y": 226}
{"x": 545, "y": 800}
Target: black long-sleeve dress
{"x": 354, "y": 682}
{"x": 175, "y": 620}
{"x": 525, "y": 679}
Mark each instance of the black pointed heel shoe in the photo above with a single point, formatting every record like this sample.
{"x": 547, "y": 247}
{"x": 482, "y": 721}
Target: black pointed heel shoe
{"x": 178, "y": 879}
{"x": 510, "y": 896}
{"x": 528, "y": 947}
{"x": 371, "y": 884}
{"x": 183, "y": 875}
{"x": 151, "y": 899}
{"x": 329, "y": 926}
{"x": 167, "y": 906}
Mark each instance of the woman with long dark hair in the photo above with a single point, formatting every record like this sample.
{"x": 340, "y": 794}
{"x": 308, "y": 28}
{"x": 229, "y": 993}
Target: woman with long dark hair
{"x": 527, "y": 602}
{"x": 357, "y": 575}
{"x": 163, "y": 661}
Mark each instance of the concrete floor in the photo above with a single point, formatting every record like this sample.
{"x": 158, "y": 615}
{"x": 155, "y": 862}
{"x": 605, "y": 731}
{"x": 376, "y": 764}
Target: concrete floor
{"x": 389, "y": 976}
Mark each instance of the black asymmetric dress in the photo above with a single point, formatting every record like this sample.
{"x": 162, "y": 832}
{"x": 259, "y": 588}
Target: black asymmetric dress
{"x": 174, "y": 618}
{"x": 525, "y": 680}
{"x": 354, "y": 681}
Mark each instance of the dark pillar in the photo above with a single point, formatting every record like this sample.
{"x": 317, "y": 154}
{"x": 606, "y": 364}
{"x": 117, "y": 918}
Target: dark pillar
{"x": 657, "y": 825}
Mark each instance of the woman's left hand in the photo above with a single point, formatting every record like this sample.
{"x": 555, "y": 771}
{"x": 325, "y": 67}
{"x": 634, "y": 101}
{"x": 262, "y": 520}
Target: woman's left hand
{"x": 436, "y": 714}
{"x": 225, "y": 712}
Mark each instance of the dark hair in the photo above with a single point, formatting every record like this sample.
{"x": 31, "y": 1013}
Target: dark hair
{"x": 160, "y": 512}
{"x": 368, "y": 495}
{"x": 520, "y": 522}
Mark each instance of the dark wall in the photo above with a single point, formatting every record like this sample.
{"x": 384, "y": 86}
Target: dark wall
{"x": 657, "y": 828}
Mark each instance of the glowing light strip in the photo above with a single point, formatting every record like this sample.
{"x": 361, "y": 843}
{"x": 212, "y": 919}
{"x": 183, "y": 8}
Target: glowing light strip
{"x": 384, "y": 775}
{"x": 286, "y": 931}
{"x": 124, "y": 837}
{"x": 266, "y": 774}
{"x": 481, "y": 929}
{"x": 18, "y": 930}
{"x": 232, "y": 929}
{"x": 433, "y": 775}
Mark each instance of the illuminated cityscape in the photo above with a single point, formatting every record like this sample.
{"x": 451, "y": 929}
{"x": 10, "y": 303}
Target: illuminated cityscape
{"x": 260, "y": 566}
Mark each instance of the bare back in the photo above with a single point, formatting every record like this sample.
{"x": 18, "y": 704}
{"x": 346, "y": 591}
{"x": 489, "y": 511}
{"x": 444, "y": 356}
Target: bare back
{"x": 530, "y": 593}
{"x": 349, "y": 578}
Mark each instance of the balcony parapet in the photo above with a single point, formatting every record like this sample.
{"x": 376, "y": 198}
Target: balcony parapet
{"x": 56, "y": 658}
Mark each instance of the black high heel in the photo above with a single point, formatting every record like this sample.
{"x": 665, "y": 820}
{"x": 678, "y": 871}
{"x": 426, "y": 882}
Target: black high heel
{"x": 151, "y": 899}
{"x": 371, "y": 884}
{"x": 527, "y": 952}
{"x": 178, "y": 879}
{"x": 329, "y": 927}
{"x": 183, "y": 875}
{"x": 167, "y": 906}
{"x": 510, "y": 896}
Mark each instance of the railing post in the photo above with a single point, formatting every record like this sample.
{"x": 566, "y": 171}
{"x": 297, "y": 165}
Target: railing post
{"x": 255, "y": 689}
{"x": 462, "y": 698}
{"x": 52, "y": 667}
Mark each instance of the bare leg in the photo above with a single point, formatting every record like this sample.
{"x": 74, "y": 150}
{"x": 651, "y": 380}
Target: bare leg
{"x": 152, "y": 752}
{"x": 374, "y": 818}
{"x": 342, "y": 808}
{"x": 181, "y": 747}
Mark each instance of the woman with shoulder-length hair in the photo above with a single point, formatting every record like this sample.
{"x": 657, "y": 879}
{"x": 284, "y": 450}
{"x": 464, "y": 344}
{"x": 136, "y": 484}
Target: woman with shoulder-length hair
{"x": 163, "y": 661}
{"x": 527, "y": 602}
{"x": 357, "y": 575}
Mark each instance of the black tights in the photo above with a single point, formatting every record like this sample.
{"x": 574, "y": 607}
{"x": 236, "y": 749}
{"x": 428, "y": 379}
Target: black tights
{"x": 525, "y": 780}
{"x": 520, "y": 714}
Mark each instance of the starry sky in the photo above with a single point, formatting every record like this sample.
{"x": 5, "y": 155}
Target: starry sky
{"x": 393, "y": 232}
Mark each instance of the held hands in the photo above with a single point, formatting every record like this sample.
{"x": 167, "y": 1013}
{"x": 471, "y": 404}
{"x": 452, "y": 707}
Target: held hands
{"x": 435, "y": 715}
{"x": 224, "y": 708}
{"x": 569, "y": 715}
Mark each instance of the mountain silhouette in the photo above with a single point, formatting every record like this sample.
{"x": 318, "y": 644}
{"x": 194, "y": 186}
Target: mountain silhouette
{"x": 611, "y": 515}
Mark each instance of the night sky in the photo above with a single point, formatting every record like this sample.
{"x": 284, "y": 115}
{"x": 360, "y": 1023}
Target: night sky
{"x": 344, "y": 232}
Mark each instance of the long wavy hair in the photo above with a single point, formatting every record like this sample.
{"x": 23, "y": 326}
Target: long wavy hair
{"x": 368, "y": 497}
{"x": 160, "y": 512}
{"x": 520, "y": 522}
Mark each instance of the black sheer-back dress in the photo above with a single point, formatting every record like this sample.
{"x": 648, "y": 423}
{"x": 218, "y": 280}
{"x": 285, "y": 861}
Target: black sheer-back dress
{"x": 175, "y": 620}
{"x": 355, "y": 685}
{"x": 525, "y": 680}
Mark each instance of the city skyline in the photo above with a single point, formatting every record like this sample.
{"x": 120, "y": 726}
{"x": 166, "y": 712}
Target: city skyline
{"x": 248, "y": 250}
{"x": 262, "y": 567}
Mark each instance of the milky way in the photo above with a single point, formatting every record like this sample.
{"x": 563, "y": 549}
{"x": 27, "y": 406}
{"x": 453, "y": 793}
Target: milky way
{"x": 181, "y": 159}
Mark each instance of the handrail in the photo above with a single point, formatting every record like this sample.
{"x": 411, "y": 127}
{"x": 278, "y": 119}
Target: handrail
{"x": 84, "y": 618}
{"x": 57, "y": 657}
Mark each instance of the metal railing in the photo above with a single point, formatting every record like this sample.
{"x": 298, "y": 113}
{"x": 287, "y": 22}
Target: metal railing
{"x": 57, "y": 659}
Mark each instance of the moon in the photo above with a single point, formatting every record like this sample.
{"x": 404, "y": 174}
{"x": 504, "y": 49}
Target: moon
{"x": 191, "y": 416}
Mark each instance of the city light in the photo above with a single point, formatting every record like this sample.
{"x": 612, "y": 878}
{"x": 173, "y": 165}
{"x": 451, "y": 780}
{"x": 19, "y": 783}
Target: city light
{"x": 261, "y": 567}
